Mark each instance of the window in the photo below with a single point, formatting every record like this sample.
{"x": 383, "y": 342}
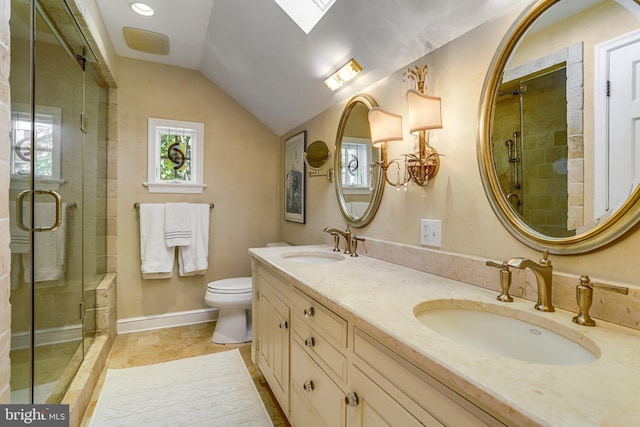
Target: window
{"x": 48, "y": 141}
{"x": 356, "y": 157}
{"x": 175, "y": 156}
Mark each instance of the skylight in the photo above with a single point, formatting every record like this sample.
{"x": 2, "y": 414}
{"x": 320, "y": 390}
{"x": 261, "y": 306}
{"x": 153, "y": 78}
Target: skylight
{"x": 305, "y": 13}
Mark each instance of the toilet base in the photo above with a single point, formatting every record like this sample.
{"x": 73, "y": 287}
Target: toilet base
{"x": 233, "y": 326}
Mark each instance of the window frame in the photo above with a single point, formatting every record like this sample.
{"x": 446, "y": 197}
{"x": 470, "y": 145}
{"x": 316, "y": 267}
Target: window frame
{"x": 20, "y": 181}
{"x": 156, "y": 185}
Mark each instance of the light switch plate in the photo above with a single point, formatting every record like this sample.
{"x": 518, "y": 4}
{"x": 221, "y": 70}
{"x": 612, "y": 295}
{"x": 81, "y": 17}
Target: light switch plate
{"x": 431, "y": 232}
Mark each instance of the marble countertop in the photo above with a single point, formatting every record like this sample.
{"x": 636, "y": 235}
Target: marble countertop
{"x": 381, "y": 296}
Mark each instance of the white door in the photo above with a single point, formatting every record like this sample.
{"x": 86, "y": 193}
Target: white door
{"x": 617, "y": 155}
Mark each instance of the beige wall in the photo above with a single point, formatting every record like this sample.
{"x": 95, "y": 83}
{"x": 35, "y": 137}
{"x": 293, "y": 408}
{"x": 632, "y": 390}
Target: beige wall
{"x": 456, "y": 196}
{"x": 5, "y": 254}
{"x": 241, "y": 170}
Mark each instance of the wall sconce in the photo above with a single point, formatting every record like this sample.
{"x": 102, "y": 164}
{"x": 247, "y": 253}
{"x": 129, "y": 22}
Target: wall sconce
{"x": 386, "y": 127}
{"x": 424, "y": 114}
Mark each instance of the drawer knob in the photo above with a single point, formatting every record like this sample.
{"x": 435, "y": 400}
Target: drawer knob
{"x": 351, "y": 399}
{"x": 308, "y": 312}
{"x": 309, "y": 342}
{"x": 284, "y": 325}
{"x": 308, "y": 386}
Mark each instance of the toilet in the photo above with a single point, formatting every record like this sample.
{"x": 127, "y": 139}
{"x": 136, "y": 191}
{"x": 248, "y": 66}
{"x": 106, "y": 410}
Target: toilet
{"x": 233, "y": 299}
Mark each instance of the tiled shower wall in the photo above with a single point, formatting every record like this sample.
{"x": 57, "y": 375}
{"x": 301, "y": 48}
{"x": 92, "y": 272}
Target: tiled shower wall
{"x": 5, "y": 254}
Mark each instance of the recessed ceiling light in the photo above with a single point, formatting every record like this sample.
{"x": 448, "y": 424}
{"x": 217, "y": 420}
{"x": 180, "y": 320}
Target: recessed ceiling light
{"x": 141, "y": 8}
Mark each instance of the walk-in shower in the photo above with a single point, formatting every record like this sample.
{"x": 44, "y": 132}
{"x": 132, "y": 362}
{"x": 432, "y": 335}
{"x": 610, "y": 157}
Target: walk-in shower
{"x": 57, "y": 198}
{"x": 530, "y": 146}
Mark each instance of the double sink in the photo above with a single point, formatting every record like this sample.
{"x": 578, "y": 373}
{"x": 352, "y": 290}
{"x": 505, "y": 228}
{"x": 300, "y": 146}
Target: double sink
{"x": 491, "y": 328}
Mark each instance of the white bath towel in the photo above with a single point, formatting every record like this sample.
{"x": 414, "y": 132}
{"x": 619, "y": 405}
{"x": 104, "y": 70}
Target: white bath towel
{"x": 193, "y": 260}
{"x": 49, "y": 246}
{"x": 156, "y": 258}
{"x": 177, "y": 224}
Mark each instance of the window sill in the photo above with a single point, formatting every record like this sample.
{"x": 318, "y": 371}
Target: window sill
{"x": 21, "y": 183}
{"x": 174, "y": 187}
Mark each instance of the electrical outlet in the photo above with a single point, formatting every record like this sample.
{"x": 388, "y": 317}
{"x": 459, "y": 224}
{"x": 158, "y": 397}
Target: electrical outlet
{"x": 431, "y": 232}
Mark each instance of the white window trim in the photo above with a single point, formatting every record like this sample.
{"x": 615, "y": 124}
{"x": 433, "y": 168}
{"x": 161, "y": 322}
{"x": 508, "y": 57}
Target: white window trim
{"x": 22, "y": 182}
{"x": 358, "y": 189}
{"x": 154, "y": 184}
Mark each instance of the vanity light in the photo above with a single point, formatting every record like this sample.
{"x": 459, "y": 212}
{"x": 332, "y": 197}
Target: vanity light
{"x": 424, "y": 114}
{"x": 141, "y": 8}
{"x": 385, "y": 127}
{"x": 347, "y": 72}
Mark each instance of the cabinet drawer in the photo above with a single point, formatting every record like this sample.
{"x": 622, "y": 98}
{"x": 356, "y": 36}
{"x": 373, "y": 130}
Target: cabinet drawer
{"x": 320, "y": 318}
{"x": 323, "y": 403}
{"x": 392, "y": 371}
{"x": 319, "y": 348}
{"x": 279, "y": 284}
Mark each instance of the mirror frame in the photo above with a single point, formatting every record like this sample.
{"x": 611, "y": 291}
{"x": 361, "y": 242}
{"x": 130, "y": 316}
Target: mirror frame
{"x": 377, "y": 192}
{"x": 620, "y": 224}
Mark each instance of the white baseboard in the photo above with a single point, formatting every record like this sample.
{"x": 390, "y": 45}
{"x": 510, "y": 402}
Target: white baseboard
{"x": 167, "y": 320}
{"x": 20, "y": 340}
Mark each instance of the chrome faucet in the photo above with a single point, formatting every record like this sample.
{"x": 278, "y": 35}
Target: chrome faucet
{"x": 544, "y": 276}
{"x": 345, "y": 234}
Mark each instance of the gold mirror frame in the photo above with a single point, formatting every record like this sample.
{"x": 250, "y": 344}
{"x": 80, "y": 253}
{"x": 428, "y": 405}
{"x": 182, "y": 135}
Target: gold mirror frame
{"x": 376, "y": 195}
{"x": 619, "y": 225}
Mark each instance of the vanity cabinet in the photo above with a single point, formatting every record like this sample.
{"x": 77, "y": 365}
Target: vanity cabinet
{"x": 318, "y": 363}
{"x": 393, "y": 391}
{"x": 340, "y": 375}
{"x": 272, "y": 332}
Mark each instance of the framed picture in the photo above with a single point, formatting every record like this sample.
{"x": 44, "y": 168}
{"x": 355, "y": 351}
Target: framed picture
{"x": 295, "y": 178}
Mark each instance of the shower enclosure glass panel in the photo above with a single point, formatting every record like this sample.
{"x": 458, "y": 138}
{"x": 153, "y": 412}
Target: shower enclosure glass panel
{"x": 56, "y": 165}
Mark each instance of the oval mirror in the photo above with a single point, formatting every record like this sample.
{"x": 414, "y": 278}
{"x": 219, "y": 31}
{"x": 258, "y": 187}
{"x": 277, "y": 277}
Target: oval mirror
{"x": 557, "y": 130}
{"x": 358, "y": 186}
{"x": 317, "y": 154}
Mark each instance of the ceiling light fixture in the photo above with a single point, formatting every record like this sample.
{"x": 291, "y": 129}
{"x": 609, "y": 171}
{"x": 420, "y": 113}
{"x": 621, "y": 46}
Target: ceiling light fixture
{"x": 347, "y": 72}
{"x": 141, "y": 8}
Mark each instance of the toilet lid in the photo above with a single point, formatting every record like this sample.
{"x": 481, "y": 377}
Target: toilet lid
{"x": 236, "y": 285}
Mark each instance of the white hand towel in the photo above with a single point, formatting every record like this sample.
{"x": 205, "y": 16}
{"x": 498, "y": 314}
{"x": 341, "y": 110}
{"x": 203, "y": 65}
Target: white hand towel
{"x": 177, "y": 224}
{"x": 193, "y": 260}
{"x": 49, "y": 247}
{"x": 156, "y": 257}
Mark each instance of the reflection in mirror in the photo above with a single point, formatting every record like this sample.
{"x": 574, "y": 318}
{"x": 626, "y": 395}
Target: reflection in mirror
{"x": 358, "y": 186}
{"x": 557, "y": 134}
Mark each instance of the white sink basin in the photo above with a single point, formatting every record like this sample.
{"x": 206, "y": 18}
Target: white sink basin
{"x": 494, "y": 329}
{"x": 313, "y": 257}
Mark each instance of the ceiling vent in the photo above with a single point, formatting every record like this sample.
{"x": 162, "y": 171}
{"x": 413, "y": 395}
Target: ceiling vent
{"x": 146, "y": 41}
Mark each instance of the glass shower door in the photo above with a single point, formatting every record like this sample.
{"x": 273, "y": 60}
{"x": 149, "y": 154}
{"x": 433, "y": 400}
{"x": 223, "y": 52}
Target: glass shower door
{"x": 47, "y": 184}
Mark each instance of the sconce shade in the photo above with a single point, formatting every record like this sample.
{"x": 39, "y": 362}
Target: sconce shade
{"x": 424, "y": 111}
{"x": 384, "y": 126}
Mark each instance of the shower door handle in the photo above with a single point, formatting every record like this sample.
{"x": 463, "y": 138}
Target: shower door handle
{"x": 20, "y": 211}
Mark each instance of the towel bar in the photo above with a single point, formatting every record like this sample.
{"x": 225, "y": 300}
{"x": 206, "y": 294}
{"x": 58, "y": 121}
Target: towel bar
{"x": 136, "y": 205}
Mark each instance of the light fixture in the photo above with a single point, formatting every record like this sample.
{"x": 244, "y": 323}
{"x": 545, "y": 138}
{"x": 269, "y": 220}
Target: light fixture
{"x": 424, "y": 114}
{"x": 385, "y": 127}
{"x": 141, "y": 8}
{"x": 347, "y": 72}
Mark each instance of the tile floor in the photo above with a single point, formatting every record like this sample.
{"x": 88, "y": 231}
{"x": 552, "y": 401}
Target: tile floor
{"x": 162, "y": 345}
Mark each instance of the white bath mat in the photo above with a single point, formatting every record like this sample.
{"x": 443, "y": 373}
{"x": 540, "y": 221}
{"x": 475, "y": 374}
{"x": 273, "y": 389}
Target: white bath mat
{"x": 211, "y": 390}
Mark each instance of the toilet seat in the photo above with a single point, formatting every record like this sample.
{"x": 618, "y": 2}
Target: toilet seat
{"x": 235, "y": 285}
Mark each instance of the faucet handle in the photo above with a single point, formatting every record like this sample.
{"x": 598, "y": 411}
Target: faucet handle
{"x": 505, "y": 280}
{"x": 584, "y": 298}
{"x": 336, "y": 241}
{"x": 545, "y": 261}
{"x": 354, "y": 245}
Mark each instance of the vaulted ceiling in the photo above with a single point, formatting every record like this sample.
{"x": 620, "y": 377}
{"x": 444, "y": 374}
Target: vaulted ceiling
{"x": 260, "y": 57}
